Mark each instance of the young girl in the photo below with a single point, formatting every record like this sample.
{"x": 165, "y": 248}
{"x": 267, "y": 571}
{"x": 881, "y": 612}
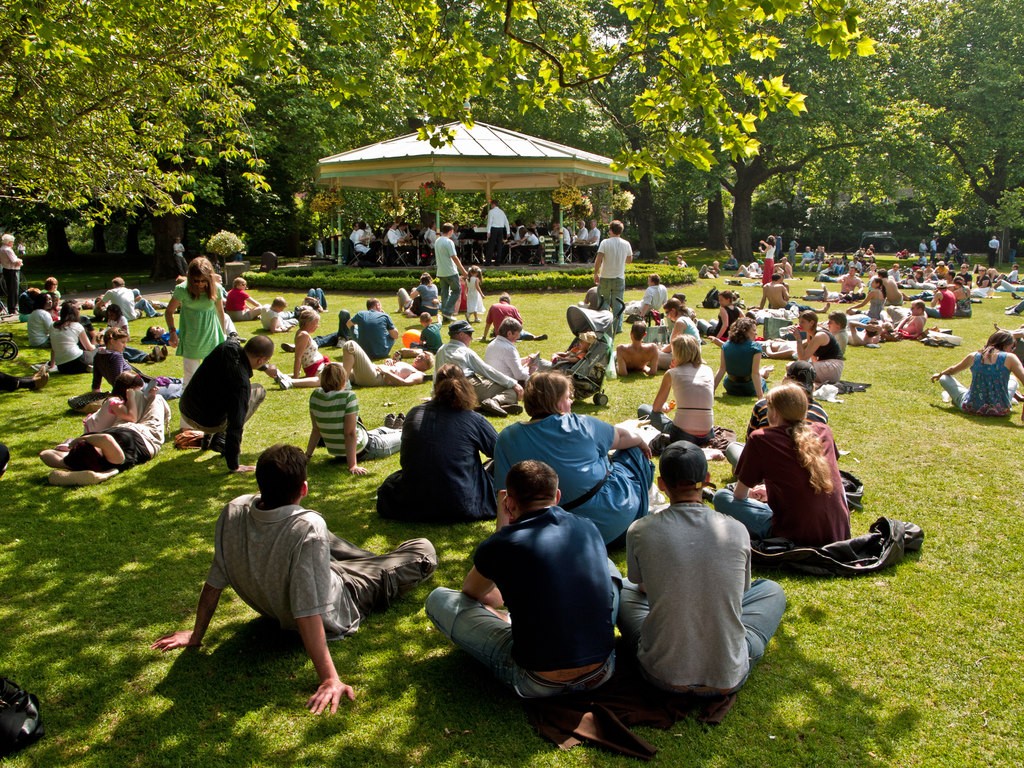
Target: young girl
{"x": 239, "y": 305}
{"x": 334, "y": 413}
{"x": 116, "y": 321}
{"x": 474, "y": 294}
{"x": 115, "y": 317}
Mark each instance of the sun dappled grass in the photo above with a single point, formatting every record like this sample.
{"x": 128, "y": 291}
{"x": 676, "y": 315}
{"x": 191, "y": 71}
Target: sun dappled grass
{"x": 913, "y": 666}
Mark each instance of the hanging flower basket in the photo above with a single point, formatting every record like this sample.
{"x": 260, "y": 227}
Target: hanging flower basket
{"x": 567, "y": 196}
{"x": 431, "y": 194}
{"x": 622, "y": 200}
{"x": 582, "y": 210}
{"x": 327, "y": 201}
{"x": 392, "y": 206}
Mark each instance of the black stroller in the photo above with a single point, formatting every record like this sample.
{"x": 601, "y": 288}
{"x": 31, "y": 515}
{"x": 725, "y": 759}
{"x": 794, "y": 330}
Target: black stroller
{"x": 587, "y": 371}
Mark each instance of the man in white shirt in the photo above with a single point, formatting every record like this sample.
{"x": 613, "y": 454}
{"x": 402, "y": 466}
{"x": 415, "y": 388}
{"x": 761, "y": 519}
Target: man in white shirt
{"x": 594, "y": 235}
{"x": 613, "y": 255}
{"x": 132, "y": 306}
{"x": 654, "y": 297}
{"x": 503, "y": 356}
{"x": 498, "y": 229}
{"x": 993, "y": 251}
{"x": 497, "y": 392}
{"x": 360, "y": 239}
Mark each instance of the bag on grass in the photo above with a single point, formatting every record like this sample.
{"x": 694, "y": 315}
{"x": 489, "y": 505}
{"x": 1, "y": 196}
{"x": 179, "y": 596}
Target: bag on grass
{"x": 20, "y": 721}
{"x": 188, "y": 438}
{"x": 711, "y": 299}
{"x": 90, "y": 402}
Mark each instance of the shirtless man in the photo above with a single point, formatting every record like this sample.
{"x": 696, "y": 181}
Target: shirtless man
{"x": 851, "y": 282}
{"x": 775, "y": 294}
{"x": 636, "y": 356}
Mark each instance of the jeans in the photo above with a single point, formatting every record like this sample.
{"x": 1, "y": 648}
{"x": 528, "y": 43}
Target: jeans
{"x": 133, "y": 355}
{"x": 761, "y": 611}
{"x": 318, "y": 294}
{"x": 344, "y": 332}
{"x": 958, "y": 391}
{"x": 755, "y": 515}
{"x": 143, "y": 305}
{"x": 612, "y": 289}
{"x": 664, "y": 424}
{"x": 330, "y": 340}
{"x": 450, "y": 292}
{"x": 488, "y": 639}
{"x": 382, "y": 442}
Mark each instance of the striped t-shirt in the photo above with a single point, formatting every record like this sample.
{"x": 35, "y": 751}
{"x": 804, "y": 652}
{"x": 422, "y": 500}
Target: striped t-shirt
{"x": 328, "y": 411}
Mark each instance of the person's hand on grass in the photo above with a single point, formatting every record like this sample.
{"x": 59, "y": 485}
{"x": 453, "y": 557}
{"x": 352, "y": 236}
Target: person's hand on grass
{"x": 329, "y": 695}
{"x": 357, "y": 470}
{"x": 243, "y": 468}
{"x": 180, "y": 639}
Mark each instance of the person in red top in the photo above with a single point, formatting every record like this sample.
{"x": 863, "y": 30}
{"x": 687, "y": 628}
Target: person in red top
{"x": 802, "y": 498}
{"x": 499, "y": 312}
{"x": 945, "y": 300}
{"x": 239, "y": 305}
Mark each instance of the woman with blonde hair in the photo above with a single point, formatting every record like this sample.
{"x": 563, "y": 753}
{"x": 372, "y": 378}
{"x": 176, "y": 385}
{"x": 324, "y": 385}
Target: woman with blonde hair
{"x": 692, "y": 384}
{"x": 802, "y": 498}
{"x": 309, "y": 360}
{"x": 201, "y": 325}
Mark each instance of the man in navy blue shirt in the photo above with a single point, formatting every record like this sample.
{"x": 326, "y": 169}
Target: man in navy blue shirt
{"x": 376, "y": 331}
{"x": 550, "y": 570}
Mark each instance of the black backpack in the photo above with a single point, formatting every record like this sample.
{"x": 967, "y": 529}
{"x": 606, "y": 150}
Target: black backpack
{"x": 20, "y": 722}
{"x": 711, "y": 300}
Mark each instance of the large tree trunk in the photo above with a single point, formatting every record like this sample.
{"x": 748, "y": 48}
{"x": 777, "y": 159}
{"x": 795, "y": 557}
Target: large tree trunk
{"x": 165, "y": 229}
{"x": 716, "y": 221}
{"x": 57, "y": 245}
{"x": 99, "y": 238}
{"x": 131, "y": 238}
{"x": 742, "y": 225}
{"x": 643, "y": 212}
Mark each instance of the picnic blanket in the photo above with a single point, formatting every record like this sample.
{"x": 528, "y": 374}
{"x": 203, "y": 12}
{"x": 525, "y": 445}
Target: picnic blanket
{"x": 603, "y": 716}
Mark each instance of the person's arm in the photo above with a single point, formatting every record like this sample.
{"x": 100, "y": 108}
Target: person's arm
{"x": 172, "y": 307}
{"x": 301, "y": 342}
{"x": 218, "y": 304}
{"x": 126, "y": 410}
{"x": 393, "y": 379}
{"x": 723, "y": 324}
{"x": 764, "y": 297}
{"x": 314, "y": 438}
{"x": 741, "y": 491}
{"x": 755, "y": 375}
{"x": 86, "y": 342}
{"x": 106, "y": 445}
{"x": 955, "y": 369}
{"x": 252, "y": 303}
{"x": 620, "y": 364}
{"x": 350, "y": 444}
{"x": 624, "y": 438}
{"x": 458, "y": 265}
{"x": 598, "y": 262}
{"x": 721, "y": 371}
{"x": 855, "y": 307}
{"x": 235, "y": 381}
{"x": 331, "y": 690}
{"x": 661, "y": 398}
{"x": 208, "y": 600}
{"x": 482, "y": 589}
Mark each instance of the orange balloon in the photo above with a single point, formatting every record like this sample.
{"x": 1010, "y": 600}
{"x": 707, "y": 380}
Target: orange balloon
{"x": 410, "y": 337}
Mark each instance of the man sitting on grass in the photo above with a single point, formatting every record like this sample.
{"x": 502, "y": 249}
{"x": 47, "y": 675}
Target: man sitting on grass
{"x": 550, "y": 569}
{"x": 637, "y": 356}
{"x": 689, "y": 610}
{"x": 283, "y": 561}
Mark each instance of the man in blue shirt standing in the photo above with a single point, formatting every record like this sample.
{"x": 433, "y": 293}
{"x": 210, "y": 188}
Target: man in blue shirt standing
{"x": 376, "y": 332}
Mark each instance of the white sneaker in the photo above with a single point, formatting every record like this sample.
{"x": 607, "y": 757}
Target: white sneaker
{"x": 284, "y": 380}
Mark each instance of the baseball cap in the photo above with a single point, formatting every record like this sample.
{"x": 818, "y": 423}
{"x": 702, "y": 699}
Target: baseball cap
{"x": 803, "y": 373}
{"x": 683, "y": 464}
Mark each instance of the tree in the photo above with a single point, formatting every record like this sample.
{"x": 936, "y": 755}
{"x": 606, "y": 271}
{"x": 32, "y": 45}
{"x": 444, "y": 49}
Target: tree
{"x": 108, "y": 104}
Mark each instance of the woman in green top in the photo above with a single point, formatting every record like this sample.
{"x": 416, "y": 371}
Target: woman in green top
{"x": 334, "y": 413}
{"x": 201, "y": 326}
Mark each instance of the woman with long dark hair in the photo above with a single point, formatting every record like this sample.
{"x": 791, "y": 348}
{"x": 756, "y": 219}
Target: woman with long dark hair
{"x": 72, "y": 347}
{"x": 991, "y": 390}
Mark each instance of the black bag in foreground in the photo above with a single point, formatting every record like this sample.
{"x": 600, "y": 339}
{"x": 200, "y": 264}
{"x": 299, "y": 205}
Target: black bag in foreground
{"x": 20, "y": 721}
{"x": 884, "y": 545}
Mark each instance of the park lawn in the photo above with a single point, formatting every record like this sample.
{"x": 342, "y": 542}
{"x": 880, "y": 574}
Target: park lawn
{"x": 916, "y": 666}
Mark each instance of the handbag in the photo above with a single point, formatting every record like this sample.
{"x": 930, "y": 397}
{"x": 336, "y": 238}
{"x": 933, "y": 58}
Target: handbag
{"x": 20, "y": 721}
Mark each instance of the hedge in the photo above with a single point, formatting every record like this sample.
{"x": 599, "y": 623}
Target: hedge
{"x": 390, "y": 280}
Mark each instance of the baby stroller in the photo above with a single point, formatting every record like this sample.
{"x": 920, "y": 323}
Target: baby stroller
{"x": 587, "y": 367}
{"x": 8, "y": 347}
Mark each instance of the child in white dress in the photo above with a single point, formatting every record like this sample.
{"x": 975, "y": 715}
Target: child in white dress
{"x": 474, "y": 294}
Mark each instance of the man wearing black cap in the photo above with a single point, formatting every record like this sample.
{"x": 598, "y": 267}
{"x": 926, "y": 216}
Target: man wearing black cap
{"x": 689, "y": 609}
{"x": 802, "y": 372}
{"x": 498, "y": 394}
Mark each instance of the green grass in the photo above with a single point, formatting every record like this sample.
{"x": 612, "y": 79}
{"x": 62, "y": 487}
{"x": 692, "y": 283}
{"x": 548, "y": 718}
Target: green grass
{"x": 916, "y": 666}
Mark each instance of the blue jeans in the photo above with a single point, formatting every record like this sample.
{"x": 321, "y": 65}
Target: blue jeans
{"x": 344, "y": 332}
{"x": 958, "y": 391}
{"x": 761, "y": 611}
{"x": 450, "y": 291}
{"x": 143, "y": 305}
{"x": 318, "y": 294}
{"x": 756, "y": 516}
{"x": 133, "y": 355}
{"x": 382, "y": 442}
{"x": 488, "y": 639}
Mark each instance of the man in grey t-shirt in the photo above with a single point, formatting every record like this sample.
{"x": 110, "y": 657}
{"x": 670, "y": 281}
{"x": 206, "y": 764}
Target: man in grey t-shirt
{"x": 283, "y": 561}
{"x": 689, "y": 609}
{"x": 449, "y": 267}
